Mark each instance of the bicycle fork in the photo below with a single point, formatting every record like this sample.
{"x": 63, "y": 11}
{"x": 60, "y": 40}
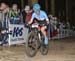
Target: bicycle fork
{"x": 39, "y": 35}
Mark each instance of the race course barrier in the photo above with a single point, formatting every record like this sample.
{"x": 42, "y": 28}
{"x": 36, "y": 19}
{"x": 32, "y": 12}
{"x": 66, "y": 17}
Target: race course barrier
{"x": 18, "y": 34}
{"x": 64, "y": 33}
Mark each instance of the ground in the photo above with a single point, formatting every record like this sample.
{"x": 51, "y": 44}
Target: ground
{"x": 59, "y": 50}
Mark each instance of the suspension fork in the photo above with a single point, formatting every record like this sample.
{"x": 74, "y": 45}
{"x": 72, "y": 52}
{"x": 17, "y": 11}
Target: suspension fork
{"x": 39, "y": 35}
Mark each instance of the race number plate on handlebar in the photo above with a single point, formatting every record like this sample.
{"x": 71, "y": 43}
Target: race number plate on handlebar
{"x": 35, "y": 25}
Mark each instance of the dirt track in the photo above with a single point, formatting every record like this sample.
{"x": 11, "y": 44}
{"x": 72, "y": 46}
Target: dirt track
{"x": 59, "y": 50}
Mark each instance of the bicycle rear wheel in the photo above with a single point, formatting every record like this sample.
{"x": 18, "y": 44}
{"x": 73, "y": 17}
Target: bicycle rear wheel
{"x": 44, "y": 48}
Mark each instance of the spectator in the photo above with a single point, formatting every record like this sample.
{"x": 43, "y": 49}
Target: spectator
{"x": 3, "y": 9}
{"x": 15, "y": 7}
{"x": 7, "y": 9}
{"x": 3, "y": 6}
{"x": 3, "y": 25}
{"x": 27, "y": 13}
{"x": 14, "y": 10}
{"x": 68, "y": 25}
{"x": 14, "y": 14}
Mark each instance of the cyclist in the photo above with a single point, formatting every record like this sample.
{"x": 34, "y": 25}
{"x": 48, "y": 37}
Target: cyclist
{"x": 41, "y": 16}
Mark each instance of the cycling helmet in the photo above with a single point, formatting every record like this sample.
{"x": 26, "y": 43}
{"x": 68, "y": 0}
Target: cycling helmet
{"x": 36, "y": 7}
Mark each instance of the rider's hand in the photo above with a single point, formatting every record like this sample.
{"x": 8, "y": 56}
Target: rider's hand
{"x": 30, "y": 22}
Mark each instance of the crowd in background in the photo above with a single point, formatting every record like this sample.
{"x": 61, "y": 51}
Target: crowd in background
{"x": 25, "y": 14}
{"x": 14, "y": 11}
{"x": 17, "y": 16}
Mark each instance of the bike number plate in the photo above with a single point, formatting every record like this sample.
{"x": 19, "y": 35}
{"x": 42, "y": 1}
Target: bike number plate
{"x": 34, "y": 25}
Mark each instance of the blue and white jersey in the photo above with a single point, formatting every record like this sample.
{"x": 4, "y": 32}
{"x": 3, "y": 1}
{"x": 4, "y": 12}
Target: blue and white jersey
{"x": 41, "y": 16}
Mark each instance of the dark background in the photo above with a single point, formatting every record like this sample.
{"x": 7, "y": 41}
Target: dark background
{"x": 65, "y": 7}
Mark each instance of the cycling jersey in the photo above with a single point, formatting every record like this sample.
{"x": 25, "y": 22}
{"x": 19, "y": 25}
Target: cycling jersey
{"x": 41, "y": 16}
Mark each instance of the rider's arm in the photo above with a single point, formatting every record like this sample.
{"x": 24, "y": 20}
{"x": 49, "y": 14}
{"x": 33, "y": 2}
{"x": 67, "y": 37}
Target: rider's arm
{"x": 33, "y": 16}
{"x": 46, "y": 17}
{"x": 30, "y": 21}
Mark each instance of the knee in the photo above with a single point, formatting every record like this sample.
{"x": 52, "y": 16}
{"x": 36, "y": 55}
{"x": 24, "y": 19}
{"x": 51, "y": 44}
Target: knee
{"x": 42, "y": 29}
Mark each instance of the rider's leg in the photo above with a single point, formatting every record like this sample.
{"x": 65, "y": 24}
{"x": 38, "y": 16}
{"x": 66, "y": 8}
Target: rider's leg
{"x": 43, "y": 30}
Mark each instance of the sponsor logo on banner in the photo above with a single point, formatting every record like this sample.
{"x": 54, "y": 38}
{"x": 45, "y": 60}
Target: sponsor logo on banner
{"x": 17, "y": 32}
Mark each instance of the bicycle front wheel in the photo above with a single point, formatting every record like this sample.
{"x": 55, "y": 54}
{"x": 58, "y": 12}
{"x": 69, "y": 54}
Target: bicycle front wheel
{"x": 32, "y": 44}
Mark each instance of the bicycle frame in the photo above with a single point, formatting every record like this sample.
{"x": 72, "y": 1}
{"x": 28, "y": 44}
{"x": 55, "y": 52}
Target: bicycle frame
{"x": 37, "y": 32}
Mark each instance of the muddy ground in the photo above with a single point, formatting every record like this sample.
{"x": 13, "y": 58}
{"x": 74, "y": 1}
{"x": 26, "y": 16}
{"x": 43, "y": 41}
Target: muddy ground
{"x": 59, "y": 50}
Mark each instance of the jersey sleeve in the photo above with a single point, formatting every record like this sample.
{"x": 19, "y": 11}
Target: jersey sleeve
{"x": 33, "y": 16}
{"x": 46, "y": 17}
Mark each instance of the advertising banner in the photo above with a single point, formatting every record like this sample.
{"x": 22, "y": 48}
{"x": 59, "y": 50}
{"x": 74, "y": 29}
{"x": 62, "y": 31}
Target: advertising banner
{"x": 18, "y": 34}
